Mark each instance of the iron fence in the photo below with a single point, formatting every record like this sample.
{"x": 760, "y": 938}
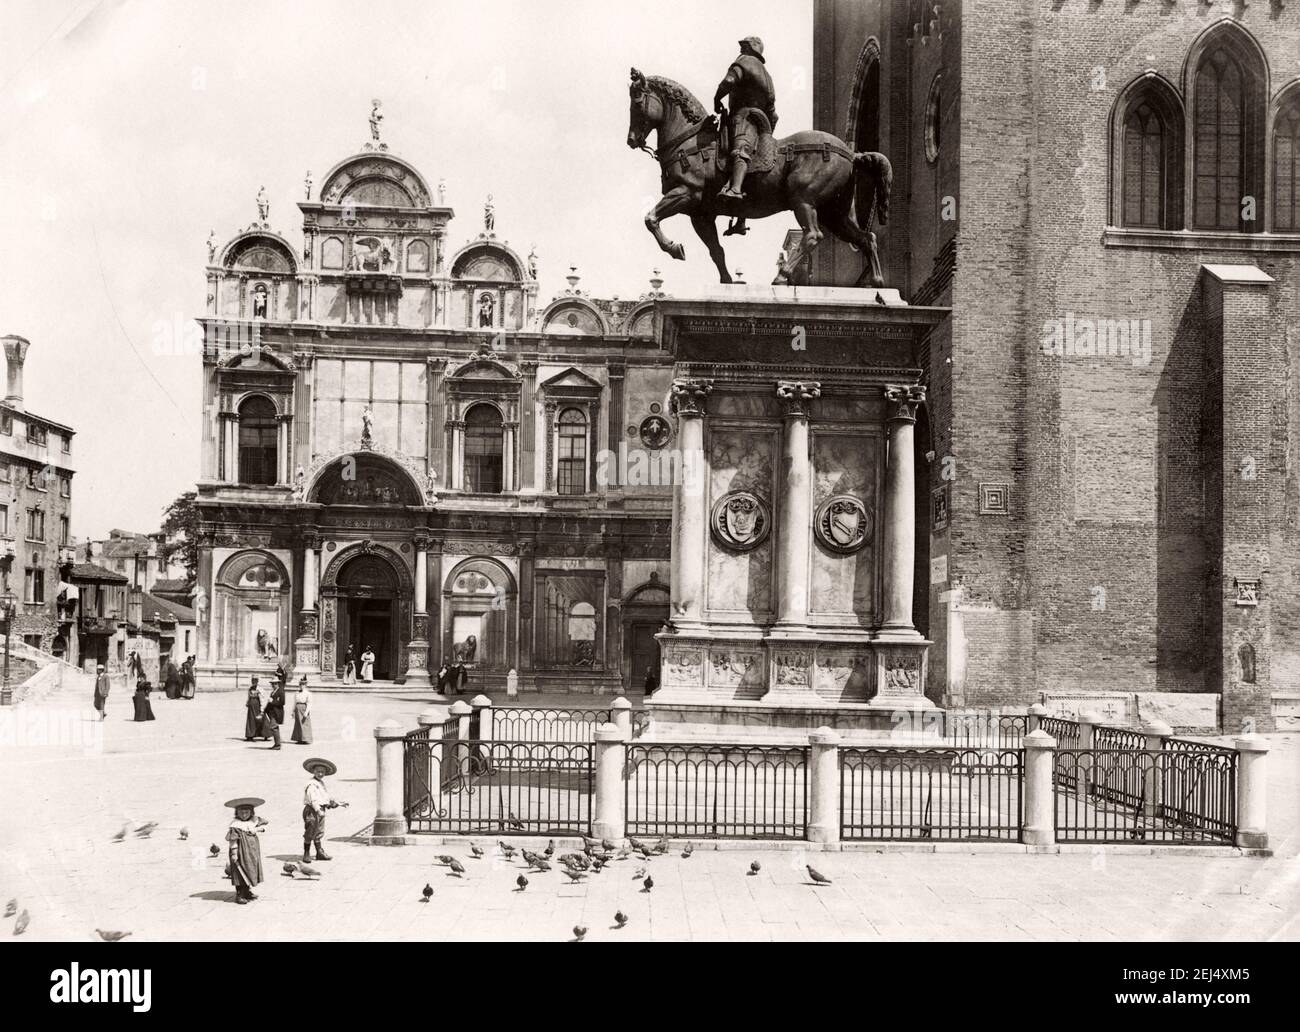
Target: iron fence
{"x": 931, "y": 793}
{"x": 501, "y": 788}
{"x": 1127, "y": 795}
{"x": 1066, "y": 732}
{"x": 531, "y": 724}
{"x": 1118, "y": 738}
{"x": 717, "y": 791}
{"x": 976, "y": 730}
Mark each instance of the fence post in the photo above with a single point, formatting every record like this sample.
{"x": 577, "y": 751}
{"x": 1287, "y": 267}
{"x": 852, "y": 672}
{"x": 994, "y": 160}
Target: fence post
{"x": 1252, "y": 792}
{"x": 430, "y": 719}
{"x": 460, "y": 709}
{"x": 483, "y": 711}
{"x": 1088, "y": 724}
{"x": 620, "y": 712}
{"x": 610, "y": 748}
{"x": 390, "y": 787}
{"x": 1036, "y": 714}
{"x": 1153, "y": 796}
{"x": 824, "y": 786}
{"x": 1040, "y": 815}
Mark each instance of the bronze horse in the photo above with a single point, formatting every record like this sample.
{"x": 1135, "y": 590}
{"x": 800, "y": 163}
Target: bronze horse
{"x": 814, "y": 175}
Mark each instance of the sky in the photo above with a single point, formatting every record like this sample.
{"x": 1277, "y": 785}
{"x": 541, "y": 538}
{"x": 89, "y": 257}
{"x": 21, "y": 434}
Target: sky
{"x": 130, "y": 129}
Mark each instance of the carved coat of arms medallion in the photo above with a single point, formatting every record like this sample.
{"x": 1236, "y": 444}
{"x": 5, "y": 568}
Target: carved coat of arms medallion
{"x": 842, "y": 523}
{"x": 741, "y": 520}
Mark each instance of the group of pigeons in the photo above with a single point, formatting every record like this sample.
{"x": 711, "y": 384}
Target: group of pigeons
{"x": 595, "y": 855}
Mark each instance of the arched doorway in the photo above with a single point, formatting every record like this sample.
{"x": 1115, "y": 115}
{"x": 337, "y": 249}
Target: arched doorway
{"x": 645, "y": 610}
{"x": 366, "y": 598}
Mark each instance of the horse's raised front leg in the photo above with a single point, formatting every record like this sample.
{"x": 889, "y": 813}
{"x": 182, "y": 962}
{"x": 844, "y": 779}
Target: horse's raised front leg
{"x": 706, "y": 228}
{"x": 673, "y": 202}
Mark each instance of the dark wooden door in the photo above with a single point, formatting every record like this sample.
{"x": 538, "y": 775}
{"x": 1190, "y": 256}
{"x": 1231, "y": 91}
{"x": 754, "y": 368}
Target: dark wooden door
{"x": 645, "y": 654}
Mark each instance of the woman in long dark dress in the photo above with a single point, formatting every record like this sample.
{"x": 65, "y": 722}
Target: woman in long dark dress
{"x": 143, "y": 708}
{"x": 187, "y": 678}
{"x": 171, "y": 680}
{"x": 253, "y": 721}
{"x": 302, "y": 713}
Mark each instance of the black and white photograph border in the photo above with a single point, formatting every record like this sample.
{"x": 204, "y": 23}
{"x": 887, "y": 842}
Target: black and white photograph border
{"x": 935, "y": 579}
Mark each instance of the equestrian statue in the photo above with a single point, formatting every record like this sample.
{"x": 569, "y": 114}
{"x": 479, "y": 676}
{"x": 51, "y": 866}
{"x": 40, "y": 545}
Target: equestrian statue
{"x": 733, "y": 165}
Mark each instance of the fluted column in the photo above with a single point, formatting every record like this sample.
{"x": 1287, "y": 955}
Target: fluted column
{"x": 310, "y": 577}
{"x": 900, "y": 508}
{"x": 794, "y": 521}
{"x": 229, "y": 440}
{"x": 508, "y": 457}
{"x": 417, "y": 649}
{"x": 307, "y": 643}
{"x": 689, "y": 517}
{"x": 456, "y": 475}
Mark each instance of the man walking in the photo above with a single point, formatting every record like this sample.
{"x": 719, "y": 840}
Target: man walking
{"x": 274, "y": 712}
{"x": 101, "y": 691}
{"x": 316, "y": 800}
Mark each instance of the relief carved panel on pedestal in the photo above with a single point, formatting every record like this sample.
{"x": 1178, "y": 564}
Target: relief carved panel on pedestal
{"x": 792, "y": 667}
{"x": 684, "y": 665}
{"x": 902, "y": 672}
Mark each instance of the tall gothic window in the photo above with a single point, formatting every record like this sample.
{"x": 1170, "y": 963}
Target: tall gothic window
{"x": 1286, "y": 167}
{"x": 1227, "y": 99}
{"x": 1147, "y": 150}
{"x": 483, "y": 450}
{"x": 866, "y": 124}
{"x": 257, "y": 441}
{"x": 571, "y": 451}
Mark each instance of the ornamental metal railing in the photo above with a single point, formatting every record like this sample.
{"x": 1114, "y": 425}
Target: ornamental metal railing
{"x": 984, "y": 730}
{"x": 931, "y": 794}
{"x": 716, "y": 791}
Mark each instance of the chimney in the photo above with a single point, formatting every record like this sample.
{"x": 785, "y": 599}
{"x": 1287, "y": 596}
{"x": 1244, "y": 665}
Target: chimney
{"x": 134, "y": 607}
{"x": 16, "y": 353}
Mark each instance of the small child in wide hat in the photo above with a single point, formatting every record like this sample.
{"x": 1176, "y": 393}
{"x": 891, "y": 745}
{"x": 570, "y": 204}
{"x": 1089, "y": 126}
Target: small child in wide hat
{"x": 245, "y": 868}
{"x": 316, "y": 800}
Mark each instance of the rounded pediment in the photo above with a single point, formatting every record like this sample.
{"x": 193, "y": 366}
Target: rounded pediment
{"x": 260, "y": 251}
{"x": 487, "y": 261}
{"x": 375, "y": 180}
{"x": 573, "y": 315}
{"x": 364, "y": 478}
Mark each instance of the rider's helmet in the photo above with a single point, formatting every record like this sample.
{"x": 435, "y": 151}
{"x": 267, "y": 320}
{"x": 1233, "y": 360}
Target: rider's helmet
{"x": 754, "y": 45}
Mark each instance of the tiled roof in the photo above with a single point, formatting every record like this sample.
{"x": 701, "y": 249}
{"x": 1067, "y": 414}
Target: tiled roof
{"x": 151, "y": 604}
{"x": 90, "y": 573}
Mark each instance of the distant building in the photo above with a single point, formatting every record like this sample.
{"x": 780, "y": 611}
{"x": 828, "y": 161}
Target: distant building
{"x": 139, "y": 557}
{"x": 35, "y": 510}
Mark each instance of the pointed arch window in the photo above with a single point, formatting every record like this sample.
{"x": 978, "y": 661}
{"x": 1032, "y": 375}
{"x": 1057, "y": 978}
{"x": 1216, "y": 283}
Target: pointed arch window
{"x": 1228, "y": 98}
{"x": 1286, "y": 166}
{"x": 258, "y": 432}
{"x": 484, "y": 450}
{"x": 1147, "y": 148}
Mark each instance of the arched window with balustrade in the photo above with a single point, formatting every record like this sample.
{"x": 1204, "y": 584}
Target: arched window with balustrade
{"x": 484, "y": 450}
{"x": 258, "y": 441}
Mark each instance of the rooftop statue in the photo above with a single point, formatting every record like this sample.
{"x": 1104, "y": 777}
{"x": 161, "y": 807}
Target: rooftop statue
{"x": 733, "y": 165}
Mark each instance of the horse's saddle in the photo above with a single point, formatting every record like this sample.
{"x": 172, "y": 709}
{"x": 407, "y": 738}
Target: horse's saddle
{"x": 764, "y": 151}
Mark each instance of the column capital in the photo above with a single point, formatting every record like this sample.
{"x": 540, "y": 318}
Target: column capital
{"x": 422, "y": 542}
{"x": 688, "y": 396}
{"x": 797, "y": 394}
{"x": 903, "y": 401}
{"x": 310, "y": 539}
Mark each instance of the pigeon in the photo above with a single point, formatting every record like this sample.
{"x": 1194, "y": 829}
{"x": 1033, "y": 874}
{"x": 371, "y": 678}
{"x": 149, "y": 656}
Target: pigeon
{"x": 509, "y": 851}
{"x": 579, "y": 931}
{"x": 576, "y": 860}
{"x": 635, "y": 843}
{"x": 214, "y": 850}
{"x": 122, "y": 834}
{"x": 587, "y": 851}
{"x": 522, "y": 882}
{"x": 309, "y": 871}
{"x": 11, "y": 908}
{"x": 549, "y": 851}
{"x": 620, "y": 918}
{"x": 686, "y": 853}
{"x": 589, "y": 843}
{"x": 607, "y": 845}
{"x": 662, "y": 845}
{"x": 20, "y": 926}
{"x": 146, "y": 829}
{"x": 647, "y": 854}
{"x": 111, "y": 936}
{"x": 444, "y": 858}
{"x": 476, "y": 852}
{"x": 542, "y": 865}
{"x": 755, "y": 867}
{"x": 817, "y": 877}
{"x": 640, "y": 873}
{"x": 457, "y": 868}
{"x": 289, "y": 869}
{"x": 648, "y": 884}
{"x": 575, "y": 875}
{"x": 530, "y": 858}
{"x": 185, "y": 833}
{"x": 427, "y": 892}
{"x": 514, "y": 821}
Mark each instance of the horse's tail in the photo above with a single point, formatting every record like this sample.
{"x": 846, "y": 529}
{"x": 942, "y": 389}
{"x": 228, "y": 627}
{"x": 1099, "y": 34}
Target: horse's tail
{"x": 876, "y": 166}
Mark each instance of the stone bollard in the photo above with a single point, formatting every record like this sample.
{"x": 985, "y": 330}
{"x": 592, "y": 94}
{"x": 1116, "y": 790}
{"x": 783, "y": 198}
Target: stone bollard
{"x": 483, "y": 715}
{"x": 824, "y": 786}
{"x": 608, "y": 819}
{"x": 512, "y": 684}
{"x": 1252, "y": 792}
{"x": 390, "y": 790}
{"x": 621, "y": 716}
{"x": 461, "y": 710}
{"x": 1040, "y": 815}
{"x": 1088, "y": 724}
{"x": 1084, "y": 765}
{"x": 1153, "y": 795}
{"x": 431, "y": 719}
{"x": 1036, "y": 714}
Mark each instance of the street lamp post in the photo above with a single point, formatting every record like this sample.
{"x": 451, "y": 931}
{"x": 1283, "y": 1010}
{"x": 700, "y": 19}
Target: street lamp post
{"x": 8, "y": 606}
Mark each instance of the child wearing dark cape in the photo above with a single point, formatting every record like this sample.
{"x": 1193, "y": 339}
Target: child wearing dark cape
{"x": 245, "y": 868}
